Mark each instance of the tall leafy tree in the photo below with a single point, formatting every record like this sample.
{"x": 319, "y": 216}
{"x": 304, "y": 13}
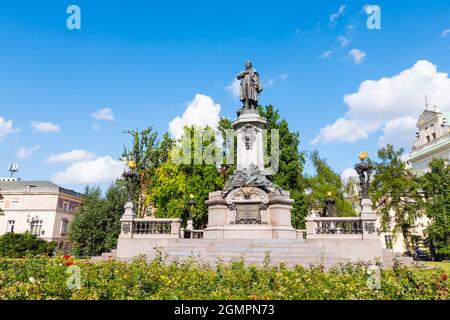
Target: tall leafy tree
{"x": 436, "y": 190}
{"x": 148, "y": 153}
{"x": 396, "y": 194}
{"x": 327, "y": 184}
{"x": 176, "y": 180}
{"x": 96, "y": 226}
{"x": 291, "y": 163}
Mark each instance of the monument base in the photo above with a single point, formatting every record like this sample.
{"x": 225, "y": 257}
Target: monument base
{"x": 268, "y": 217}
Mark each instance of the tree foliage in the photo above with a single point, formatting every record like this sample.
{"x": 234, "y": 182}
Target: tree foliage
{"x": 291, "y": 164}
{"x": 327, "y": 184}
{"x": 96, "y": 226}
{"x": 176, "y": 180}
{"x": 148, "y": 153}
{"x": 396, "y": 193}
{"x": 436, "y": 191}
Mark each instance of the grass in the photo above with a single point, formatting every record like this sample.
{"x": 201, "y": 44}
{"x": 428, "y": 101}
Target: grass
{"x": 443, "y": 265}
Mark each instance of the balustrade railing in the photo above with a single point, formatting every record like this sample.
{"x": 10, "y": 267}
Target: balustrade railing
{"x": 152, "y": 227}
{"x": 339, "y": 227}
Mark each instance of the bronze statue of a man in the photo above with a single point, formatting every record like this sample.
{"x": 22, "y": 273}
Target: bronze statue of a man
{"x": 251, "y": 86}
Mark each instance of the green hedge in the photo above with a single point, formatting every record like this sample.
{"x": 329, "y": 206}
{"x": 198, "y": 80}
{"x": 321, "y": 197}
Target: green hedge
{"x": 17, "y": 245}
{"x": 45, "y": 278}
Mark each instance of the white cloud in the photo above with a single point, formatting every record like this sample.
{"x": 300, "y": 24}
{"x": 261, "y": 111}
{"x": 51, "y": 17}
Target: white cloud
{"x": 335, "y": 16}
{"x": 348, "y": 173}
{"x": 284, "y": 76}
{"x": 357, "y": 55}
{"x": 326, "y": 55}
{"x": 200, "y": 112}
{"x": 24, "y": 153}
{"x": 234, "y": 88}
{"x": 391, "y": 105}
{"x": 399, "y": 132}
{"x": 45, "y": 127}
{"x": 344, "y": 41}
{"x": 100, "y": 170}
{"x": 103, "y": 114}
{"x": 445, "y": 33}
{"x": 344, "y": 130}
{"x": 6, "y": 128}
{"x": 71, "y": 156}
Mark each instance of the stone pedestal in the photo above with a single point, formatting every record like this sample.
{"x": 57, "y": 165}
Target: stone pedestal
{"x": 249, "y": 213}
{"x": 127, "y": 221}
{"x": 250, "y": 148}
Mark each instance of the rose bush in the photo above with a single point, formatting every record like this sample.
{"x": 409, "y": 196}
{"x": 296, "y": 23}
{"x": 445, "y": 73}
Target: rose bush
{"x": 46, "y": 278}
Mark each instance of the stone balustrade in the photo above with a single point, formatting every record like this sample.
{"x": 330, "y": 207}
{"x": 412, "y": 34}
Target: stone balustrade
{"x": 150, "y": 228}
{"x": 326, "y": 227}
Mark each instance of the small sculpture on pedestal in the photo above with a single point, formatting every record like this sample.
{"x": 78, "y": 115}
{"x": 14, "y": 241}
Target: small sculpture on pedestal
{"x": 364, "y": 170}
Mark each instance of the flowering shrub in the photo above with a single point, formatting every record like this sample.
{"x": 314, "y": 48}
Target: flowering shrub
{"x": 46, "y": 278}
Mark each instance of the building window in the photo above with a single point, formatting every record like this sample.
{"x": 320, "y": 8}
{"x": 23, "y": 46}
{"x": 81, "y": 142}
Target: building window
{"x": 428, "y": 139}
{"x": 66, "y": 205}
{"x": 388, "y": 241}
{"x": 15, "y": 204}
{"x": 64, "y": 226}
{"x": 10, "y": 226}
{"x": 434, "y": 136}
{"x": 36, "y": 227}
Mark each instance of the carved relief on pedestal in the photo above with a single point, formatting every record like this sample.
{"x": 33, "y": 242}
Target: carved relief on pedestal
{"x": 249, "y": 136}
{"x": 247, "y": 203}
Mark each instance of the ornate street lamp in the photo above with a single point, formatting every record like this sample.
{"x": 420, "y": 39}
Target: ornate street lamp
{"x": 191, "y": 204}
{"x": 330, "y": 206}
{"x": 364, "y": 170}
{"x": 190, "y": 224}
{"x": 130, "y": 175}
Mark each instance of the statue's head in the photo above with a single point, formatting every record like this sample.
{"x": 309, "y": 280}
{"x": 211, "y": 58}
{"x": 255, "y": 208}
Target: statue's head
{"x": 248, "y": 64}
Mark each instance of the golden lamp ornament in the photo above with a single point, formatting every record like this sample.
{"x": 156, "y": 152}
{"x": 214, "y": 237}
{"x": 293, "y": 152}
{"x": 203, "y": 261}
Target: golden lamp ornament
{"x": 363, "y": 155}
{"x": 131, "y": 164}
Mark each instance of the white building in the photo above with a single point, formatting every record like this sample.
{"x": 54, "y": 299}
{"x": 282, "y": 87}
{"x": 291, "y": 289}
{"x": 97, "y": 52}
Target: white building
{"x": 40, "y": 207}
{"x": 433, "y": 140}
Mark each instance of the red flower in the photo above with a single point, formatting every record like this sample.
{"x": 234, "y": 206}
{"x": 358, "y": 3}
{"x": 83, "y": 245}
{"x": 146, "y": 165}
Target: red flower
{"x": 69, "y": 263}
{"x": 66, "y": 257}
{"x": 444, "y": 276}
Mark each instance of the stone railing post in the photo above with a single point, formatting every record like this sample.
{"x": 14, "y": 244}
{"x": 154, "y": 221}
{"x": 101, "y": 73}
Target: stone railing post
{"x": 368, "y": 219}
{"x": 311, "y": 226}
{"x": 175, "y": 227}
{"x": 127, "y": 221}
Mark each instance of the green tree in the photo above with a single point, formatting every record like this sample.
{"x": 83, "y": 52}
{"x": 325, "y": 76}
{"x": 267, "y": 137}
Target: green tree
{"x": 396, "y": 194}
{"x": 148, "y": 153}
{"x": 436, "y": 190}
{"x": 175, "y": 181}
{"x": 327, "y": 184}
{"x": 96, "y": 226}
{"x": 291, "y": 163}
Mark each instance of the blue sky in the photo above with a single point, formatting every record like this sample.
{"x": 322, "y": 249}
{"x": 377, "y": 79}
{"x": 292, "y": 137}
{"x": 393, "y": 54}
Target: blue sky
{"x": 146, "y": 61}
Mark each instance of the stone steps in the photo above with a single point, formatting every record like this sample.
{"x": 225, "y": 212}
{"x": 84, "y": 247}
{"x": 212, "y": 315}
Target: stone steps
{"x": 289, "y": 252}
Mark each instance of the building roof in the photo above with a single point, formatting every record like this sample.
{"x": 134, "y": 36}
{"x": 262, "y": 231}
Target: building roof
{"x": 49, "y": 186}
